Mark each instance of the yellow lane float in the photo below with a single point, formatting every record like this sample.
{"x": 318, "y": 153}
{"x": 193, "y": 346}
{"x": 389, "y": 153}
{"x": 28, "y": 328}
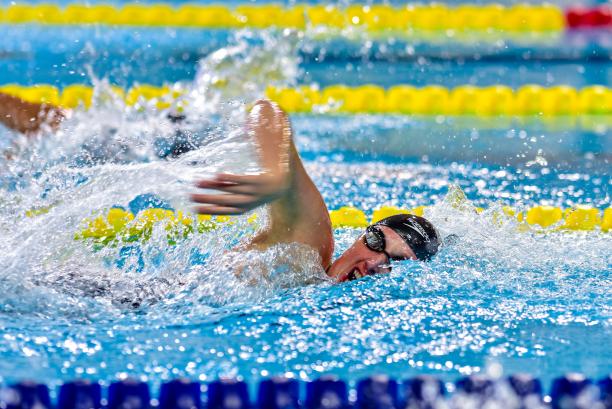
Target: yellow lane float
{"x": 581, "y": 218}
{"x": 119, "y": 225}
{"x": 544, "y": 216}
{"x": 529, "y": 101}
{"x": 40, "y": 93}
{"x": 262, "y": 16}
{"x": 387, "y": 211}
{"x": 577, "y": 218}
{"x": 90, "y": 14}
{"x": 29, "y": 13}
{"x": 325, "y": 16}
{"x": 606, "y": 221}
{"x": 348, "y": 217}
{"x": 212, "y": 16}
{"x": 596, "y": 100}
{"x": 296, "y": 100}
{"x": 495, "y": 101}
{"x": 431, "y": 17}
{"x": 76, "y": 95}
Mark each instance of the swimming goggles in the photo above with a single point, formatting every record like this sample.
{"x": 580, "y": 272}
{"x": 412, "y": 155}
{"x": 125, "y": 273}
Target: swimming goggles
{"x": 374, "y": 239}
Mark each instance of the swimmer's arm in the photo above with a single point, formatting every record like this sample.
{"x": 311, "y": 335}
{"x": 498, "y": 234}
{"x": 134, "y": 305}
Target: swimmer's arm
{"x": 297, "y": 210}
{"x": 27, "y": 117}
{"x": 246, "y": 192}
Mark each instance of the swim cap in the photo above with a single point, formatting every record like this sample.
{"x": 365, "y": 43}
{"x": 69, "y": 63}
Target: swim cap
{"x": 416, "y": 231}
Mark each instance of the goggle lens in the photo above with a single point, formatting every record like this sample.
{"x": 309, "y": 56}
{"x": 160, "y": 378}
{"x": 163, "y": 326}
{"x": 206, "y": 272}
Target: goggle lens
{"x": 375, "y": 239}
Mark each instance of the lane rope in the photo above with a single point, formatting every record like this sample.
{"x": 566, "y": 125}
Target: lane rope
{"x": 589, "y": 17}
{"x": 119, "y": 224}
{"x": 370, "y": 391}
{"x": 528, "y": 100}
{"x": 374, "y": 18}
{"x": 498, "y": 100}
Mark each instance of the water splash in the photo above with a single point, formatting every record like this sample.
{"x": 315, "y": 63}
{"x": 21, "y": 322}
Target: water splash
{"x": 105, "y": 156}
{"x": 525, "y": 298}
{"x": 244, "y": 70}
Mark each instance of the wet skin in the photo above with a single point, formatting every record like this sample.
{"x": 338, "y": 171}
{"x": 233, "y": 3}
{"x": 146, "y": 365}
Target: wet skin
{"x": 297, "y": 212}
{"x": 296, "y": 207}
{"x": 359, "y": 261}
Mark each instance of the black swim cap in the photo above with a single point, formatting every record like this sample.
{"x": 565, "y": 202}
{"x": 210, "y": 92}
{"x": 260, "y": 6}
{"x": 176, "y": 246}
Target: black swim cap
{"x": 416, "y": 231}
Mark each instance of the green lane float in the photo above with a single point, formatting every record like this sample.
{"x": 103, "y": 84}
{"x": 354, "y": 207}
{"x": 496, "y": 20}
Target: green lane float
{"x": 466, "y": 100}
{"x": 519, "y": 18}
{"x": 119, "y": 225}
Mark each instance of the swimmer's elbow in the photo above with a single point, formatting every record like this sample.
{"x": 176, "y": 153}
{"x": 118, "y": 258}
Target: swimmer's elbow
{"x": 266, "y": 107}
{"x": 263, "y": 102}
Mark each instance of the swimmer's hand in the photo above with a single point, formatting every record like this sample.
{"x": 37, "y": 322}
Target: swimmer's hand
{"x": 240, "y": 193}
{"x": 269, "y": 127}
{"x": 297, "y": 212}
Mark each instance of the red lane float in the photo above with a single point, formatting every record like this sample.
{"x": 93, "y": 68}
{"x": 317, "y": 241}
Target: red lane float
{"x": 585, "y": 17}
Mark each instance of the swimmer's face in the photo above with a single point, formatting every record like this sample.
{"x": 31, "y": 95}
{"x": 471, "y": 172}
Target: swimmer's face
{"x": 359, "y": 261}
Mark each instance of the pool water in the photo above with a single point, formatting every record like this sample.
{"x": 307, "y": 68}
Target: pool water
{"x": 534, "y": 301}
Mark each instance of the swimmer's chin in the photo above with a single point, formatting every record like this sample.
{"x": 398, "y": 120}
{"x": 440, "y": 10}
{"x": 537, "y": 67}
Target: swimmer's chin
{"x": 343, "y": 276}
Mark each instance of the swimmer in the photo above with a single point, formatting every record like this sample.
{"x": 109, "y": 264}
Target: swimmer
{"x": 27, "y": 117}
{"x": 297, "y": 210}
{"x": 31, "y": 119}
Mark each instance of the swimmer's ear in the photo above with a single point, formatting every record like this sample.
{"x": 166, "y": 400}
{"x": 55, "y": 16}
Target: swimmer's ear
{"x": 450, "y": 240}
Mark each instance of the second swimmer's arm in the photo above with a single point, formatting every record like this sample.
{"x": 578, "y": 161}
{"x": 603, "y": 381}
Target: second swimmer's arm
{"x": 297, "y": 210}
{"x": 27, "y": 117}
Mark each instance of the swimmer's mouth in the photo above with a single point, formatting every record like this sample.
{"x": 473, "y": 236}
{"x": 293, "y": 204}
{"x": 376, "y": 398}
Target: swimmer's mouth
{"x": 354, "y": 275}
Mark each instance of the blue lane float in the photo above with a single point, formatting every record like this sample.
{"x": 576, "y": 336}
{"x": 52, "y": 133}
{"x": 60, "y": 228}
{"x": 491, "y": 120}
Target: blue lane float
{"x": 180, "y": 394}
{"x": 80, "y": 394}
{"x": 377, "y": 392}
{"x": 525, "y": 385}
{"x": 278, "y": 393}
{"x": 334, "y": 391}
{"x": 228, "y": 392}
{"x": 128, "y": 394}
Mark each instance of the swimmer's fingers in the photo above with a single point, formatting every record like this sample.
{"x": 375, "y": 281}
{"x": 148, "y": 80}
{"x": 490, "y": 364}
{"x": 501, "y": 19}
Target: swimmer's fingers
{"x": 227, "y": 187}
{"x": 264, "y": 178}
{"x": 246, "y": 202}
{"x": 219, "y": 210}
{"x": 228, "y": 179}
{"x": 257, "y": 185}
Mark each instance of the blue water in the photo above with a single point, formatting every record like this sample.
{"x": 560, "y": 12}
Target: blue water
{"x": 536, "y": 303}
{"x": 532, "y": 301}
{"x": 65, "y": 55}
